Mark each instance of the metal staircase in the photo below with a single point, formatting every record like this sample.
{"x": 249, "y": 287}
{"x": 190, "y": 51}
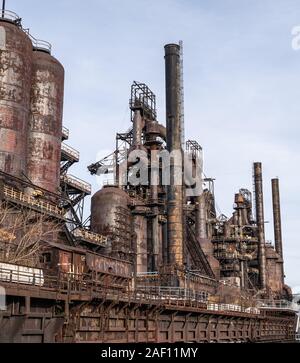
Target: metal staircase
{"x": 195, "y": 250}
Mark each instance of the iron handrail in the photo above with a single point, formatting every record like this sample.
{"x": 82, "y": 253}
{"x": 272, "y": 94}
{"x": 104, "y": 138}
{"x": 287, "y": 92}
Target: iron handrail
{"x": 39, "y": 44}
{"x": 92, "y": 236}
{"x": 70, "y": 151}
{"x": 77, "y": 182}
{"x": 69, "y": 282}
{"x": 9, "y": 15}
{"x": 277, "y": 304}
{"x": 22, "y": 197}
{"x": 65, "y": 131}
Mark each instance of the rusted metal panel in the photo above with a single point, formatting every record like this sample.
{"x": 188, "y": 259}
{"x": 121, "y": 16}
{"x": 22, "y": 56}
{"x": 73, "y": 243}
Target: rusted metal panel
{"x": 45, "y": 124}
{"x": 15, "y": 78}
{"x": 109, "y": 265}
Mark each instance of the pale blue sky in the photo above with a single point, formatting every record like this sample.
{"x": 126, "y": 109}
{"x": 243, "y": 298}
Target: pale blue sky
{"x": 242, "y": 81}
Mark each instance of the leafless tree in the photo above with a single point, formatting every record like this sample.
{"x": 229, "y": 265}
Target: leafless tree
{"x": 23, "y": 233}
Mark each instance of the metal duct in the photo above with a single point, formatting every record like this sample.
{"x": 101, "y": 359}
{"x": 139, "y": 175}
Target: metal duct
{"x": 201, "y": 217}
{"x": 137, "y": 128}
{"x": 175, "y": 192}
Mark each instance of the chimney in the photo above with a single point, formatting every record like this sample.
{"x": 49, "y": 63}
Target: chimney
{"x": 277, "y": 220}
{"x": 260, "y": 223}
{"x": 175, "y": 192}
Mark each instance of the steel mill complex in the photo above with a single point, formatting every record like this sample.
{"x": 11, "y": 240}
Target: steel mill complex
{"x": 154, "y": 262}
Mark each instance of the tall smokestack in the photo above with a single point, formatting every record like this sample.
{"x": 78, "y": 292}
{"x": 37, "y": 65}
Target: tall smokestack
{"x": 277, "y": 220}
{"x": 277, "y": 216}
{"x": 260, "y": 223}
{"x": 175, "y": 192}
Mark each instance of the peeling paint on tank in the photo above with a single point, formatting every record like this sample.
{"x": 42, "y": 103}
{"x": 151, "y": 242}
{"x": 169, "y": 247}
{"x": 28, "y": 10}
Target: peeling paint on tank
{"x": 15, "y": 80}
{"x": 45, "y": 123}
{"x": 2, "y": 38}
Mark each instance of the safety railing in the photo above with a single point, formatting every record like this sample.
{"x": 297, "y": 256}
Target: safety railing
{"x": 70, "y": 152}
{"x": 278, "y": 304}
{"x": 65, "y": 132}
{"x": 90, "y": 236}
{"x": 39, "y": 44}
{"x": 16, "y": 195}
{"x": 230, "y": 267}
{"x": 76, "y": 183}
{"x": 20, "y": 274}
{"x": 108, "y": 182}
{"x": 10, "y": 15}
{"x": 233, "y": 307}
{"x": 169, "y": 292}
{"x": 79, "y": 284}
{"x": 226, "y": 255}
{"x": 147, "y": 274}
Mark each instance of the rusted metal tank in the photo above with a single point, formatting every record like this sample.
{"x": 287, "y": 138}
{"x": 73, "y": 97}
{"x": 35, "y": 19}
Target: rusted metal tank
{"x": 45, "y": 122}
{"x": 15, "y": 78}
{"x": 107, "y": 207}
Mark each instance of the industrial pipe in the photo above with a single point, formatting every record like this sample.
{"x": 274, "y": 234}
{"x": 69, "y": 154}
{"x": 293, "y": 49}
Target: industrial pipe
{"x": 175, "y": 192}
{"x": 258, "y": 185}
{"x": 137, "y": 128}
{"x": 200, "y": 225}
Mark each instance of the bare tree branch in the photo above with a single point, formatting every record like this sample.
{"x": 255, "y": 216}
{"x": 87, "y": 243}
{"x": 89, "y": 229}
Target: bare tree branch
{"x": 21, "y": 233}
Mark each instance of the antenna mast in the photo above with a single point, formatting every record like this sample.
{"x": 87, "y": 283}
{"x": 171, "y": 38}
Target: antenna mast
{"x": 3, "y": 8}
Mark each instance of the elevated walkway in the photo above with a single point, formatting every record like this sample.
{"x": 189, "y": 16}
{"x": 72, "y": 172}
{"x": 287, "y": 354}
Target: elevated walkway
{"x": 75, "y": 184}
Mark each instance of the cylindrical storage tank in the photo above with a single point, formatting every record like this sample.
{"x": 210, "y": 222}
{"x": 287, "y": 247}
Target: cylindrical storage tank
{"x": 15, "y": 80}
{"x": 107, "y": 207}
{"x": 45, "y": 122}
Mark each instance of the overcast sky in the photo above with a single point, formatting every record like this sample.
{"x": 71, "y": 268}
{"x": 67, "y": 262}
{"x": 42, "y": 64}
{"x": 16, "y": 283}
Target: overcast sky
{"x": 242, "y": 85}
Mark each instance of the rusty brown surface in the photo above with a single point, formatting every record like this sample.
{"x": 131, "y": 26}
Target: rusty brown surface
{"x": 45, "y": 124}
{"x": 15, "y": 78}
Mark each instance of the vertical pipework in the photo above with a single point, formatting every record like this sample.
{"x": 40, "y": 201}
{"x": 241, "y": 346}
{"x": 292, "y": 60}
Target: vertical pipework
{"x": 277, "y": 220}
{"x": 201, "y": 232}
{"x": 260, "y": 223}
{"x": 137, "y": 128}
{"x": 154, "y": 201}
{"x": 175, "y": 193}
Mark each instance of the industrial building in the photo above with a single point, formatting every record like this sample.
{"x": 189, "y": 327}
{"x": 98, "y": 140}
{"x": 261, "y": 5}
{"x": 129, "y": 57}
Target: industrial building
{"x": 154, "y": 262}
